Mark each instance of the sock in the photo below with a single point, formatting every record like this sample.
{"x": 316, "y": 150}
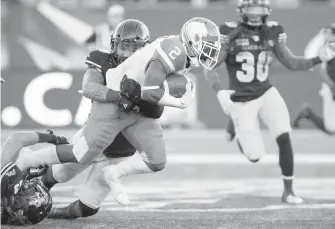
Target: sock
{"x": 286, "y": 160}
{"x": 133, "y": 165}
{"x": 45, "y": 156}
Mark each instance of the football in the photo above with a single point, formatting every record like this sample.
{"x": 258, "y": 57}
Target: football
{"x": 175, "y": 84}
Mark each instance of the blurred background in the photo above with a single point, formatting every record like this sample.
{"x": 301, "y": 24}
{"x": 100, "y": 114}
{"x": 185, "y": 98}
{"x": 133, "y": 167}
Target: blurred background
{"x": 44, "y": 45}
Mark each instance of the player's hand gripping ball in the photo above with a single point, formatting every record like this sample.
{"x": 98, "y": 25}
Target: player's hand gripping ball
{"x": 175, "y": 85}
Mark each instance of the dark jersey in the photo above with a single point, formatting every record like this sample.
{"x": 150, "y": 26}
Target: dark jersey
{"x": 11, "y": 182}
{"x": 102, "y": 60}
{"x": 249, "y": 57}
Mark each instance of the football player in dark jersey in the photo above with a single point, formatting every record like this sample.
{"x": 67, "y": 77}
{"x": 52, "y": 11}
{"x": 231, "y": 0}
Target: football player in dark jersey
{"x": 124, "y": 42}
{"x": 24, "y": 199}
{"x": 326, "y": 123}
{"x": 248, "y": 48}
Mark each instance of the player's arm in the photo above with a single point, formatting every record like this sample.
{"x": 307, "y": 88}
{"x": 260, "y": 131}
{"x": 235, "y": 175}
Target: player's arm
{"x": 285, "y": 55}
{"x": 169, "y": 57}
{"x": 292, "y": 62}
{"x": 93, "y": 88}
{"x": 151, "y": 91}
{"x": 93, "y": 80}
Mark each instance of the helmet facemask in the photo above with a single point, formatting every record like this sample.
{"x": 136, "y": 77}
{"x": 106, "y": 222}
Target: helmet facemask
{"x": 201, "y": 39}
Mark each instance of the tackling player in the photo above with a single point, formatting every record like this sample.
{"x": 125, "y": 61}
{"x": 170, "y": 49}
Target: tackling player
{"x": 24, "y": 200}
{"x": 327, "y": 92}
{"x": 249, "y": 46}
{"x": 141, "y": 76}
{"x": 129, "y": 36}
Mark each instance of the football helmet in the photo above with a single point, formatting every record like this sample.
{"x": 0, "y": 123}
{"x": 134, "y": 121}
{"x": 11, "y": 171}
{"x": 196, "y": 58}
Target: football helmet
{"x": 254, "y": 12}
{"x": 201, "y": 39}
{"x": 33, "y": 201}
{"x": 129, "y": 36}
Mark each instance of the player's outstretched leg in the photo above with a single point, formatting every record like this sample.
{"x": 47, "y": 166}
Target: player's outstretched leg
{"x": 18, "y": 140}
{"x": 147, "y": 137}
{"x": 74, "y": 210}
{"x": 286, "y": 162}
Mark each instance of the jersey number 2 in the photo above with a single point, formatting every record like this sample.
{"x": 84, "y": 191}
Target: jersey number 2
{"x": 251, "y": 66}
{"x": 174, "y": 53}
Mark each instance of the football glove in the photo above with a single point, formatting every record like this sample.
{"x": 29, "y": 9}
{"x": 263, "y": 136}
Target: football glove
{"x": 57, "y": 140}
{"x": 189, "y": 95}
{"x": 124, "y": 103}
{"x": 327, "y": 51}
{"x": 130, "y": 89}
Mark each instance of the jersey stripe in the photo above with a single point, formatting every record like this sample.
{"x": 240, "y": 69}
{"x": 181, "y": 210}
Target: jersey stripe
{"x": 6, "y": 168}
{"x": 165, "y": 58}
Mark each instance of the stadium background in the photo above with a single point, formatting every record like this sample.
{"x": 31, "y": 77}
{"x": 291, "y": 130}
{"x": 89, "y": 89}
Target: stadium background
{"x": 43, "y": 65}
{"x": 207, "y": 183}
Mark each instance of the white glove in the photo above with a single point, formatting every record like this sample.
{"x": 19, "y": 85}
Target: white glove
{"x": 226, "y": 103}
{"x": 189, "y": 95}
{"x": 327, "y": 51}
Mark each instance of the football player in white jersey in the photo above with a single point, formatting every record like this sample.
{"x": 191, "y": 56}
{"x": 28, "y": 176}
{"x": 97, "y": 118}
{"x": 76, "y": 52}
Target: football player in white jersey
{"x": 140, "y": 77}
{"x": 326, "y": 123}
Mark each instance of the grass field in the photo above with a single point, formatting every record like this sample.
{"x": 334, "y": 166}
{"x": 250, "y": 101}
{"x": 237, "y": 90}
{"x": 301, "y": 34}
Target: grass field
{"x": 209, "y": 184}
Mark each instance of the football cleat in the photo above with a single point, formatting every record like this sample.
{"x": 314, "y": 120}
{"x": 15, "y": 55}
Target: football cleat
{"x": 303, "y": 114}
{"x": 291, "y": 198}
{"x": 112, "y": 178}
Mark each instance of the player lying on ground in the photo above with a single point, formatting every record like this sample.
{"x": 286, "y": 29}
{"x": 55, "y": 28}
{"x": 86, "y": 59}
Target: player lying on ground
{"x": 24, "y": 200}
{"x": 142, "y": 76}
{"x": 125, "y": 41}
{"x": 249, "y": 46}
{"x": 326, "y": 123}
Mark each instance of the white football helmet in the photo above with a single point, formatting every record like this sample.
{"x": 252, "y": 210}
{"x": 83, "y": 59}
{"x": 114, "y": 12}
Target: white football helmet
{"x": 201, "y": 38}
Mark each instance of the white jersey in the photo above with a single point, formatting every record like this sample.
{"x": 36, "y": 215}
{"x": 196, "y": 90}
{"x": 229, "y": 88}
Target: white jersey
{"x": 169, "y": 50}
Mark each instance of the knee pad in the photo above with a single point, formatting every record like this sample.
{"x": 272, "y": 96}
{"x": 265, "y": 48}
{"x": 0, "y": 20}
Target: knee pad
{"x": 251, "y": 145}
{"x": 156, "y": 167}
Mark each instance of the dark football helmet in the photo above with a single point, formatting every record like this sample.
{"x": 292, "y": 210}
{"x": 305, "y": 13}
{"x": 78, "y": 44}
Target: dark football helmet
{"x": 254, "y": 12}
{"x": 31, "y": 204}
{"x": 129, "y": 36}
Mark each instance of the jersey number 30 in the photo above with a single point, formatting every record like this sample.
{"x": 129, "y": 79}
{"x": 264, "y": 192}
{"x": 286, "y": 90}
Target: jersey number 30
{"x": 251, "y": 68}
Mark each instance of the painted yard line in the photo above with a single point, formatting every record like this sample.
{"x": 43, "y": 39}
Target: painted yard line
{"x": 228, "y": 210}
{"x": 227, "y": 159}
{"x": 161, "y": 186}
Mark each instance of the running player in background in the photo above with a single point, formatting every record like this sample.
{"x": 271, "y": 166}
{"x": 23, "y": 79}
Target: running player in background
{"x": 326, "y": 123}
{"x": 249, "y": 46}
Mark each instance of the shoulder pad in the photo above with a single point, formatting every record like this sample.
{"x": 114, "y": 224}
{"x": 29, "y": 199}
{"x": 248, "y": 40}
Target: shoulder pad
{"x": 97, "y": 58}
{"x": 277, "y": 31}
{"x": 172, "y": 54}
